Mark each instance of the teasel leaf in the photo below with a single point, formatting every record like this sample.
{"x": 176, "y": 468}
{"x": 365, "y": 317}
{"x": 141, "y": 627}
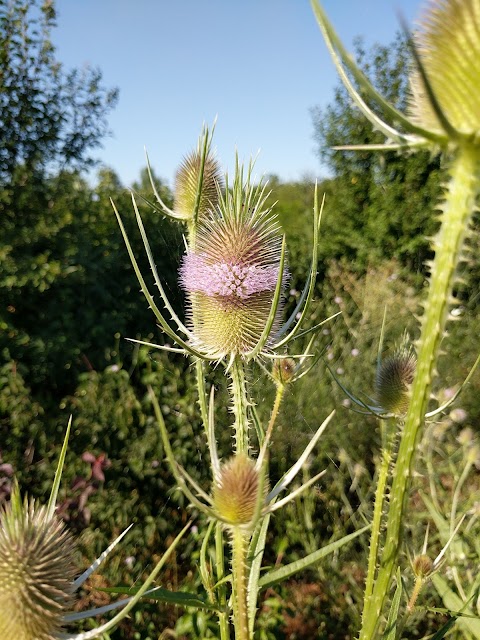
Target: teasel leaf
{"x": 288, "y": 570}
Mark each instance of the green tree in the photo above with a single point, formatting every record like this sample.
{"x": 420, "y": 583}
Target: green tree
{"x": 47, "y": 117}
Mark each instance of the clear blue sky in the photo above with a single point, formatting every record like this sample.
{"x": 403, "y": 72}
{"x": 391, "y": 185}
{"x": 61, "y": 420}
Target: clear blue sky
{"x": 259, "y": 65}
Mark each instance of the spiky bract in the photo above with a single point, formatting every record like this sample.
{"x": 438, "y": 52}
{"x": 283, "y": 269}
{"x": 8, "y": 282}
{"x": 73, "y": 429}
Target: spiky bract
{"x": 36, "y": 572}
{"x": 232, "y": 273}
{"x": 189, "y": 178}
{"x": 235, "y": 493}
{"x": 448, "y": 44}
{"x": 394, "y": 378}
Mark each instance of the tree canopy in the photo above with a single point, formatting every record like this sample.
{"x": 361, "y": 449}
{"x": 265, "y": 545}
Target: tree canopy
{"x": 48, "y": 117}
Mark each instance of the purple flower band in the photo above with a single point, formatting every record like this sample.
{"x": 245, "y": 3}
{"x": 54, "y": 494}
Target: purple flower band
{"x": 226, "y": 279}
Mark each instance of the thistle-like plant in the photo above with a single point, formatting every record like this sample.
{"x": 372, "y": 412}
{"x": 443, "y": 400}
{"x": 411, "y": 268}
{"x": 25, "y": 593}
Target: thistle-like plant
{"x": 234, "y": 272}
{"x": 443, "y": 116}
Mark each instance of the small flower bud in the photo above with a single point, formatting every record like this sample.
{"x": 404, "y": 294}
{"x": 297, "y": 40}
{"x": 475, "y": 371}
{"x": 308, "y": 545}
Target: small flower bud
{"x": 394, "y": 377}
{"x": 36, "y": 572}
{"x": 422, "y": 566}
{"x": 236, "y": 491}
{"x": 283, "y": 370}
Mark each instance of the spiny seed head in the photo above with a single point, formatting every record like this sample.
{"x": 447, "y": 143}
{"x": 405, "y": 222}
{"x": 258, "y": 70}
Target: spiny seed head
{"x": 230, "y": 277}
{"x": 187, "y": 182}
{"x": 394, "y": 377}
{"x": 283, "y": 370}
{"x": 448, "y": 44}
{"x": 36, "y": 572}
{"x": 235, "y": 492}
{"x": 422, "y": 566}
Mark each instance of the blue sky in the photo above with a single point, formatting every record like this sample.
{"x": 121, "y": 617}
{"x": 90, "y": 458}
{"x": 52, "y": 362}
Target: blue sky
{"x": 258, "y": 65}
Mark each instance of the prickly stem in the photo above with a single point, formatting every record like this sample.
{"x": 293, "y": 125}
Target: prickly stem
{"x": 456, "y": 213}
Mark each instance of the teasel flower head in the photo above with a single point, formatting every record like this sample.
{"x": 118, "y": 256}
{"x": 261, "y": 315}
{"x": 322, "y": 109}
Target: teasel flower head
{"x": 197, "y": 184}
{"x": 236, "y": 491}
{"x": 448, "y": 48}
{"x": 394, "y": 378}
{"x": 232, "y": 273}
{"x": 37, "y": 571}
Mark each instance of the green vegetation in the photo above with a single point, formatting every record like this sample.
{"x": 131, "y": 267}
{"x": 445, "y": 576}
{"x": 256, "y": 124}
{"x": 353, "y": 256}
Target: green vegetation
{"x": 69, "y": 299}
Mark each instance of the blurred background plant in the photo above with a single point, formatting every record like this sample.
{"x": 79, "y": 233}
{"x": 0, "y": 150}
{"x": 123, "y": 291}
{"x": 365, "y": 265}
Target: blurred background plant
{"x": 67, "y": 303}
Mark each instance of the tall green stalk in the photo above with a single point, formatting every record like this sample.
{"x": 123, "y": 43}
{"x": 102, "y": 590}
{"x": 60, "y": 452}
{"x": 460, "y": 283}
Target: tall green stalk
{"x": 239, "y": 583}
{"x": 457, "y": 209}
{"x": 239, "y": 405}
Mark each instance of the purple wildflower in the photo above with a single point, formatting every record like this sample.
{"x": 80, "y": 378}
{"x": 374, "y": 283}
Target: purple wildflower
{"x": 226, "y": 278}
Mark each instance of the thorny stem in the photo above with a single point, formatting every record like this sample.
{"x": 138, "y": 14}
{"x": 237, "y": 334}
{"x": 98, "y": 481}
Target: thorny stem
{"x": 457, "y": 210}
{"x": 223, "y": 622}
{"x": 239, "y": 406}
{"x": 276, "y": 406}
{"x": 239, "y": 583}
{"x": 377, "y": 521}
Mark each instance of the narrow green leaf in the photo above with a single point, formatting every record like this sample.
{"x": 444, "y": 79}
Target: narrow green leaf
{"x": 52, "y": 501}
{"x": 290, "y": 569}
{"x": 441, "y": 633}
{"x": 205, "y": 569}
{"x": 453, "y": 602}
{"x": 391, "y": 629}
{"x": 180, "y": 598}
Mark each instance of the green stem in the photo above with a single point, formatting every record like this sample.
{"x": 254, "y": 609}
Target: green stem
{"x": 276, "y": 407}
{"x": 377, "y": 524}
{"x": 223, "y": 621}
{"x": 457, "y": 210}
{"x": 239, "y": 406}
{"x": 239, "y": 583}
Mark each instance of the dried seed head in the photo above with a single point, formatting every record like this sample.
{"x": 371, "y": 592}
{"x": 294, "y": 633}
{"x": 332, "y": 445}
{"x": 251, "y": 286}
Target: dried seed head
{"x": 230, "y": 277}
{"x": 235, "y": 493}
{"x": 36, "y": 572}
{"x": 283, "y": 370}
{"x": 187, "y": 181}
{"x": 394, "y": 377}
{"x": 448, "y": 44}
